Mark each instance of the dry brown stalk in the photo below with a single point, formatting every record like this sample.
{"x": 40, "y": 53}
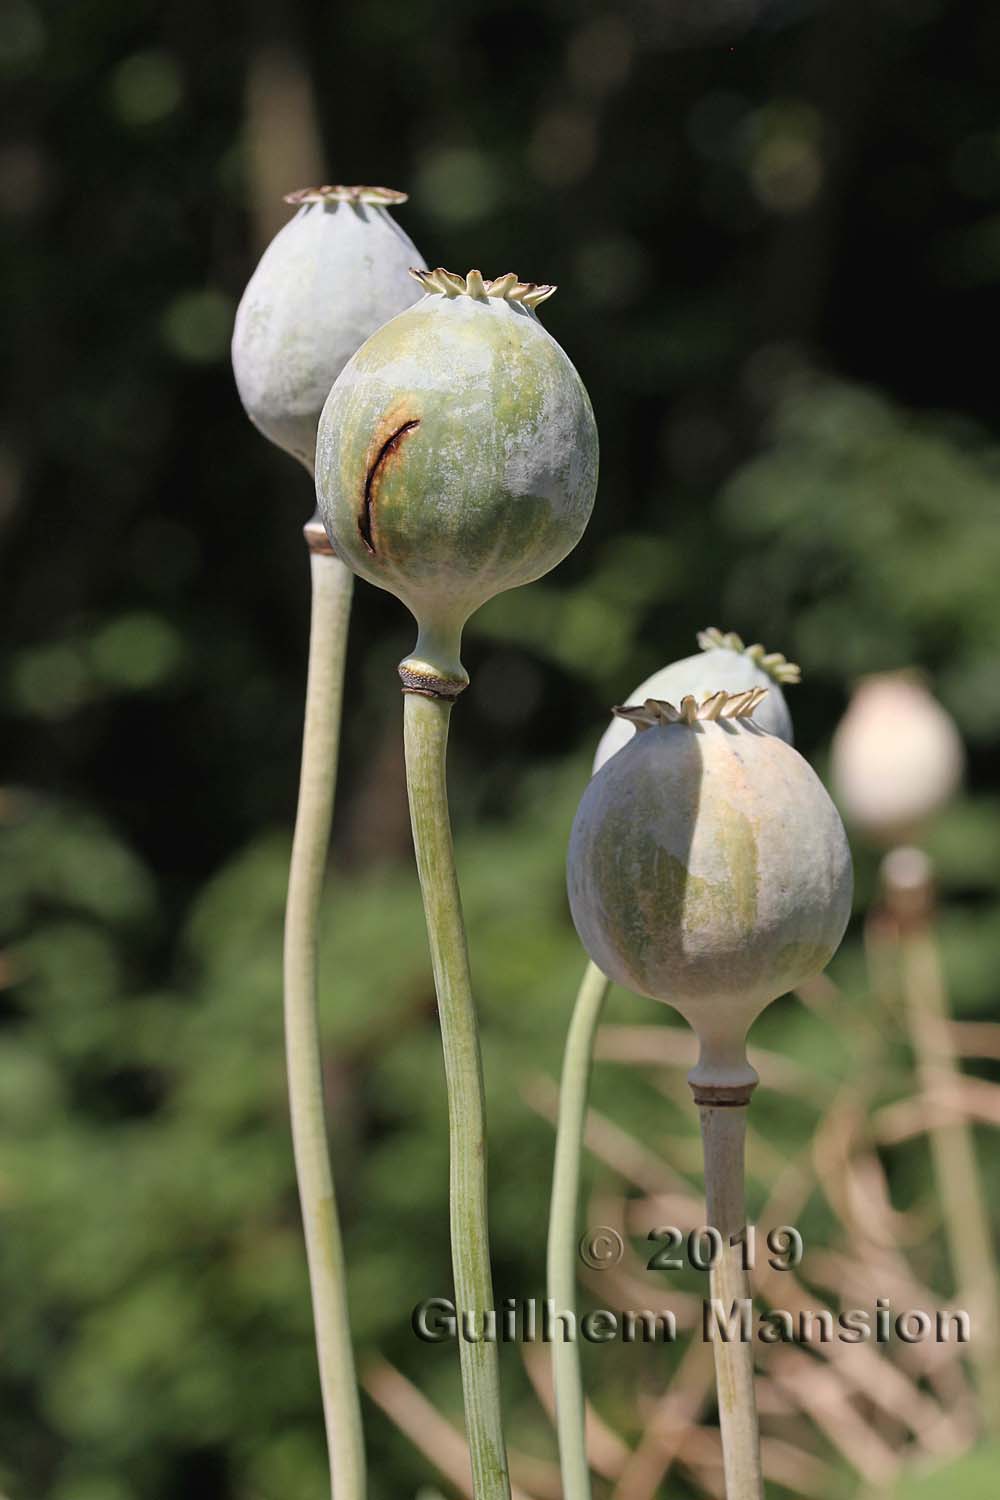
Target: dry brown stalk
{"x": 860, "y": 1201}
{"x": 787, "y": 1465}
{"x": 675, "y": 1413}
{"x": 630, "y": 1282}
{"x": 947, "y": 1101}
{"x": 976, "y": 1038}
{"x": 940, "y": 1363}
{"x": 611, "y": 1144}
{"x": 441, "y": 1443}
{"x": 662, "y": 1439}
{"x": 607, "y": 1454}
{"x": 819, "y": 1391}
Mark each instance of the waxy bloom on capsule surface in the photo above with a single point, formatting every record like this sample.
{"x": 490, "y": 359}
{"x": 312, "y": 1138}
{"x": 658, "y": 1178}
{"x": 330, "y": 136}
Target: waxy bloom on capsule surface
{"x": 334, "y": 274}
{"x": 457, "y": 455}
{"x": 709, "y": 868}
{"x": 723, "y": 662}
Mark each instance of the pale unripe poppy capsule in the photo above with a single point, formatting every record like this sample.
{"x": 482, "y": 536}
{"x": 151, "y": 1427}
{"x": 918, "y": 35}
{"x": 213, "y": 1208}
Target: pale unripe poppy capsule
{"x": 897, "y": 757}
{"x": 336, "y": 271}
{"x": 457, "y": 458}
{"x": 709, "y": 868}
{"x": 725, "y": 663}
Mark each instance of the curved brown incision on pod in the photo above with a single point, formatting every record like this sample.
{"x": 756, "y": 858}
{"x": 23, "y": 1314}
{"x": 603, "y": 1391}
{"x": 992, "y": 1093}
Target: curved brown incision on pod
{"x": 388, "y": 448}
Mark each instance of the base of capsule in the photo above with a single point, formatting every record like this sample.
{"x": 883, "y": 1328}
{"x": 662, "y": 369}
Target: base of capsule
{"x": 420, "y": 677}
{"x": 722, "y": 1076}
{"x": 434, "y": 666}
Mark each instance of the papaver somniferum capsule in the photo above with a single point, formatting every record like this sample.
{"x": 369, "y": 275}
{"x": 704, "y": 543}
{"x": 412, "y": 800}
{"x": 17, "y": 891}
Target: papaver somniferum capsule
{"x": 897, "y": 757}
{"x": 456, "y": 458}
{"x": 722, "y": 663}
{"x": 336, "y": 271}
{"x": 709, "y": 868}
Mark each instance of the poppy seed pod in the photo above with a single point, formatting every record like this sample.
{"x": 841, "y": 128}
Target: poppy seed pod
{"x": 336, "y": 271}
{"x": 722, "y": 663}
{"x": 897, "y": 757}
{"x": 709, "y": 868}
{"x": 456, "y": 458}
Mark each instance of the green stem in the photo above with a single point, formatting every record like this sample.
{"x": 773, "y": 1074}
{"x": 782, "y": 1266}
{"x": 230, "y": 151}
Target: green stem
{"x": 723, "y": 1133}
{"x": 956, "y": 1169}
{"x": 332, "y": 584}
{"x": 562, "y": 1248}
{"x": 425, "y": 729}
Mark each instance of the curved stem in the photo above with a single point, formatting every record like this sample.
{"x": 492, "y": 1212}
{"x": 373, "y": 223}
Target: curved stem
{"x": 425, "y": 729}
{"x": 332, "y": 584}
{"x": 562, "y": 1247}
{"x": 723, "y": 1134}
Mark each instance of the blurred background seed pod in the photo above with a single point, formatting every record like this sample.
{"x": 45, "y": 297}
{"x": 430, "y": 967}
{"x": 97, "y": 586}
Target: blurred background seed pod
{"x": 897, "y": 757}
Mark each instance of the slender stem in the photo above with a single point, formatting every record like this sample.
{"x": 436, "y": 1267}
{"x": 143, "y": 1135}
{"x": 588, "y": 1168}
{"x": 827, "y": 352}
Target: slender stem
{"x": 562, "y": 1249}
{"x": 425, "y": 729}
{"x": 331, "y": 603}
{"x": 723, "y": 1134}
{"x": 953, "y": 1150}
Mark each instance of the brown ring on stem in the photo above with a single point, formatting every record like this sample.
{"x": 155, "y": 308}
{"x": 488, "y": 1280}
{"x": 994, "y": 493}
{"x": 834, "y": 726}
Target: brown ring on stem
{"x": 427, "y": 685}
{"x": 723, "y": 1096}
{"x": 316, "y": 538}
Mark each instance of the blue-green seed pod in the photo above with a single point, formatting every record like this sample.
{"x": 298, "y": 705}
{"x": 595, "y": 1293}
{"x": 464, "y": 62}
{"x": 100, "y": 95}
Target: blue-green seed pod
{"x": 456, "y": 458}
{"x": 709, "y": 868}
{"x": 336, "y": 271}
{"x": 725, "y": 663}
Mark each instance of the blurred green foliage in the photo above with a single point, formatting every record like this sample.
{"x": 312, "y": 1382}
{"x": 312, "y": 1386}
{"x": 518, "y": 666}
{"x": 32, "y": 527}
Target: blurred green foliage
{"x": 970, "y": 1478}
{"x": 774, "y": 226}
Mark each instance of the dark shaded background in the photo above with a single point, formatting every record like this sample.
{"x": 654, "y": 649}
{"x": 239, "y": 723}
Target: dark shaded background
{"x": 775, "y": 226}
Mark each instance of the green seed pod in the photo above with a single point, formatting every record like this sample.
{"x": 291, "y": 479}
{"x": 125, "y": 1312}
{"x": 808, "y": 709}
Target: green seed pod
{"x": 337, "y": 271}
{"x": 722, "y": 663}
{"x": 456, "y": 458}
{"x": 709, "y": 868}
